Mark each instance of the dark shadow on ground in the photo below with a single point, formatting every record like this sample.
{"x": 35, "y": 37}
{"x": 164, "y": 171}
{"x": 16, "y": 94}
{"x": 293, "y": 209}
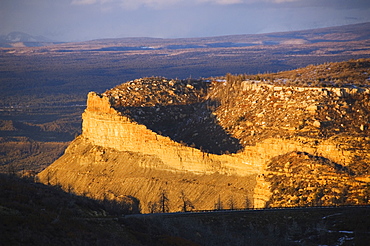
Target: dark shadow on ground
{"x": 192, "y": 124}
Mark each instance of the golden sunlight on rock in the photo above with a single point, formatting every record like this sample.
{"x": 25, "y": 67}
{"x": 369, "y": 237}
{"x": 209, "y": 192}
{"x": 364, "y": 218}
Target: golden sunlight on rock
{"x": 245, "y": 142}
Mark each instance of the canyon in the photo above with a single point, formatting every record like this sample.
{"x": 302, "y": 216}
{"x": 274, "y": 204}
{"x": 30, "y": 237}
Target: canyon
{"x": 237, "y": 142}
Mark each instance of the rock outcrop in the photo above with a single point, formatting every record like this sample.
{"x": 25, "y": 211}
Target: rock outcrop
{"x": 106, "y": 127}
{"x": 116, "y": 156}
{"x": 245, "y": 143}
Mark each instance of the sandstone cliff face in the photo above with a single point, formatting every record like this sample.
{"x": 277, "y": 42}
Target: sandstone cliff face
{"x": 125, "y": 150}
{"x": 115, "y": 156}
{"x": 106, "y": 173}
{"x": 106, "y": 127}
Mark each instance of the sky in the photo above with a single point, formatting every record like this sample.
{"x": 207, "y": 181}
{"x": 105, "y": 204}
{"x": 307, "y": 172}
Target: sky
{"x": 80, "y": 20}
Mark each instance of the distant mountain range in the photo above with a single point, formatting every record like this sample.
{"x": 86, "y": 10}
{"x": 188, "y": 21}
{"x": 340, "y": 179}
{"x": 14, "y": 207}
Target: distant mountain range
{"x": 21, "y": 39}
{"x": 336, "y": 34}
{"x": 339, "y": 34}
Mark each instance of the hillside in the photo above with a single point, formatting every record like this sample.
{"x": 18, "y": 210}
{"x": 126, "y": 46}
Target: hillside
{"x": 20, "y": 39}
{"x": 36, "y": 214}
{"x": 43, "y": 89}
{"x": 239, "y": 142}
{"x": 339, "y": 74}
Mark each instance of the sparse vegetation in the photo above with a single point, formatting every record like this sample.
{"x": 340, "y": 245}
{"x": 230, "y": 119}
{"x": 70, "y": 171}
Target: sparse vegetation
{"x": 228, "y": 117}
{"x": 38, "y": 84}
{"x": 36, "y": 214}
{"x": 300, "y": 179}
{"x": 43, "y": 94}
{"x": 186, "y": 205}
{"x": 23, "y": 155}
{"x": 350, "y": 74}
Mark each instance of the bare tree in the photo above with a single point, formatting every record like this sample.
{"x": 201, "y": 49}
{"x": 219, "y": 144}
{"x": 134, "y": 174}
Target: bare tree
{"x": 48, "y": 176}
{"x": 70, "y": 188}
{"x": 218, "y": 204}
{"x": 186, "y": 204}
{"x": 247, "y": 203}
{"x": 164, "y": 202}
{"x": 231, "y": 202}
{"x": 153, "y": 207}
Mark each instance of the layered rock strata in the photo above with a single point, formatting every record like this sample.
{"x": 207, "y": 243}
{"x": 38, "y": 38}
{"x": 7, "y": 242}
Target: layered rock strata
{"x": 106, "y": 127}
{"x": 125, "y": 150}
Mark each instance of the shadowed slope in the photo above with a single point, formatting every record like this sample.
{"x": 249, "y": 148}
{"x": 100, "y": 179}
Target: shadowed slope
{"x": 177, "y": 109}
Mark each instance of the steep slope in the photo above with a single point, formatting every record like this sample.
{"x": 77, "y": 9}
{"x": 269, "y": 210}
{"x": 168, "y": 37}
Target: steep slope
{"x": 36, "y": 214}
{"x": 301, "y": 179}
{"x": 221, "y": 141}
{"x": 115, "y": 156}
{"x": 105, "y": 173}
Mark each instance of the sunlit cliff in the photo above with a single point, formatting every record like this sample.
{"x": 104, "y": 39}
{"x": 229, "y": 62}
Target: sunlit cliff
{"x": 238, "y": 141}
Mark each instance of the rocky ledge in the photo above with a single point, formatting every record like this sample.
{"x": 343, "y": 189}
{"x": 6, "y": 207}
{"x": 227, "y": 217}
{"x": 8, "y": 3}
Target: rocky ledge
{"x": 283, "y": 145}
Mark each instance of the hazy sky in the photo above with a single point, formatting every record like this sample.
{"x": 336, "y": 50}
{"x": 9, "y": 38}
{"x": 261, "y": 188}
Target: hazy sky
{"x": 77, "y": 20}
